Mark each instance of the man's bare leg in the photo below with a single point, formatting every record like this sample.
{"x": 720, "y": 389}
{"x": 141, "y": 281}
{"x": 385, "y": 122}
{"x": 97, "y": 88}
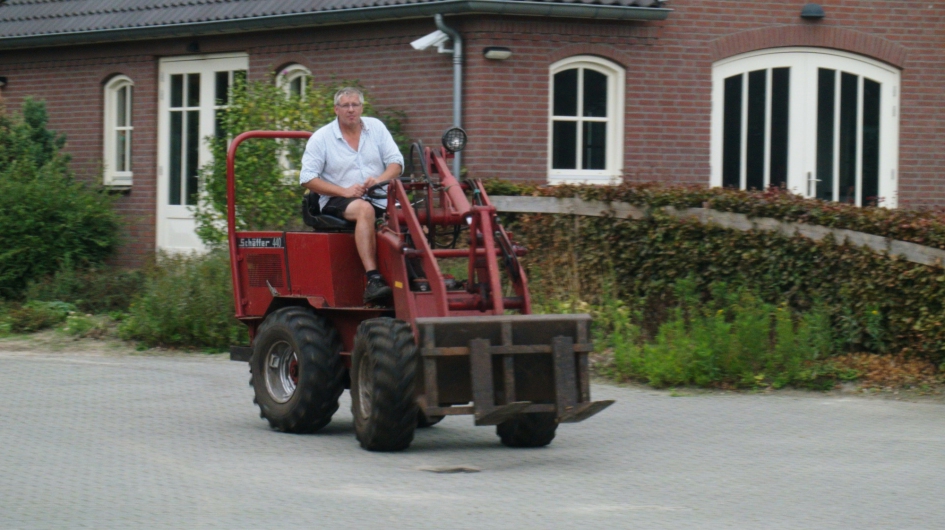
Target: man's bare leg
{"x": 362, "y": 214}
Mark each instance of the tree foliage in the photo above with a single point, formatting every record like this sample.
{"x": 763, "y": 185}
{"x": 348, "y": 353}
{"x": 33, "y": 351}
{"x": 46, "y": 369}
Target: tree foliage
{"x": 47, "y": 218}
{"x": 268, "y": 194}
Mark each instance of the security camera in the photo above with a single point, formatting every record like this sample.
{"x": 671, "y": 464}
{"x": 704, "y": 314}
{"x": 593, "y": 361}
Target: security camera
{"x": 437, "y": 38}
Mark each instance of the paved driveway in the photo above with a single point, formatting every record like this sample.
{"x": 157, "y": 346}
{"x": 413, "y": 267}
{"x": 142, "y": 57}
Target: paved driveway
{"x": 165, "y": 442}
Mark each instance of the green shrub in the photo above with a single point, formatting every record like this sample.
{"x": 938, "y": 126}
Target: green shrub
{"x": 46, "y": 217}
{"x": 267, "y": 193}
{"x": 36, "y": 316}
{"x": 95, "y": 290}
{"x": 875, "y": 303}
{"x": 186, "y": 300}
{"x": 731, "y": 339}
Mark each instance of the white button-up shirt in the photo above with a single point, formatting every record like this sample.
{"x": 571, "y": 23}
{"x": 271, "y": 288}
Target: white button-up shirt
{"x": 329, "y": 157}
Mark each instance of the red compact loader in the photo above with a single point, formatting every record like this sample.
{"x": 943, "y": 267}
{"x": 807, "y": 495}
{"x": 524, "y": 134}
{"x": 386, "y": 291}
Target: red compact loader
{"x": 444, "y": 346}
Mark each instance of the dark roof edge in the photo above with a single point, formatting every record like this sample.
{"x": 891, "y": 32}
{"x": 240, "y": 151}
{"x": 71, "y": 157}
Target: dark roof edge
{"x": 343, "y": 16}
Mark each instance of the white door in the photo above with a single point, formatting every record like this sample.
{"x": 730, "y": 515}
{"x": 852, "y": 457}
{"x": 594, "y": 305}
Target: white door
{"x": 822, "y": 123}
{"x": 192, "y": 90}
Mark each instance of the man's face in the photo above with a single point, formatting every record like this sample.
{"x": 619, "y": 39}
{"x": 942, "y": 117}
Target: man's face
{"x": 348, "y": 110}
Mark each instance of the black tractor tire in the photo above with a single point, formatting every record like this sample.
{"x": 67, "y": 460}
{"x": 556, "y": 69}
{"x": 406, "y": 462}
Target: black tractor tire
{"x": 297, "y": 336}
{"x": 424, "y": 421}
{"x": 528, "y": 430}
{"x": 384, "y": 367}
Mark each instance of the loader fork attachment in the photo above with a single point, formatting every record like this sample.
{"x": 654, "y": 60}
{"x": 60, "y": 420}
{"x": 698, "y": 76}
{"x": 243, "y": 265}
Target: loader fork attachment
{"x": 514, "y": 364}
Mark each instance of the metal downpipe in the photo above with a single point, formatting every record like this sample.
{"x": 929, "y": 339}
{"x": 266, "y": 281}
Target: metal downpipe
{"x": 457, "y": 82}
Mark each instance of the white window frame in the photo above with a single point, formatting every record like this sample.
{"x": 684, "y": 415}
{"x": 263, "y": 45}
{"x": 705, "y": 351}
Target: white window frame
{"x": 112, "y": 176}
{"x": 613, "y": 174}
{"x": 804, "y": 63}
{"x": 289, "y": 74}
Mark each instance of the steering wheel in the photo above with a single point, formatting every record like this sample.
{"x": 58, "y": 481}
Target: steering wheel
{"x": 376, "y": 191}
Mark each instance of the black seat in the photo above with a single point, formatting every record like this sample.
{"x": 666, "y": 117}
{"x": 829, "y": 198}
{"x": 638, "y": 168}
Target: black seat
{"x": 312, "y": 216}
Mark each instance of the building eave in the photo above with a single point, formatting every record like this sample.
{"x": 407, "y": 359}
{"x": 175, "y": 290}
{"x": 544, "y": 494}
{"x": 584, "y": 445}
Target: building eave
{"x": 340, "y": 16}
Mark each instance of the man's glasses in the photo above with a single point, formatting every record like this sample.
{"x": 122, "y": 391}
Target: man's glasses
{"x": 350, "y": 106}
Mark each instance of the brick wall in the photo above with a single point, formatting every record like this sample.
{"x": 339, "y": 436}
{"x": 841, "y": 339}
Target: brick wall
{"x": 668, "y": 85}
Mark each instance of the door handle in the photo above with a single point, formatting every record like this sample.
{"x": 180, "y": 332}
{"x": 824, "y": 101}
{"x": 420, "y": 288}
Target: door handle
{"x": 810, "y": 180}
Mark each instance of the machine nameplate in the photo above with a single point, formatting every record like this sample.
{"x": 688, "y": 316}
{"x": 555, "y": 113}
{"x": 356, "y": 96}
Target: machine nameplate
{"x": 261, "y": 242}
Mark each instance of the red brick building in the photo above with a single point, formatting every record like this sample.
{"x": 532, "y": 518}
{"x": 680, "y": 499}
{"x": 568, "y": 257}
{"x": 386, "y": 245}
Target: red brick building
{"x": 846, "y": 102}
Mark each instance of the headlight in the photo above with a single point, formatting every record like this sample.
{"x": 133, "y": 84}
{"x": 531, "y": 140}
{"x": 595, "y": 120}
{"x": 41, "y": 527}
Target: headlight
{"x": 454, "y": 140}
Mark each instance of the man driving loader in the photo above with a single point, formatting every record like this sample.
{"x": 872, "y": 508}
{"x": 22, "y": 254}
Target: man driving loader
{"x": 342, "y": 161}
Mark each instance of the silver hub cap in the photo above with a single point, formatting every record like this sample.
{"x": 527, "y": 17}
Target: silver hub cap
{"x": 282, "y": 372}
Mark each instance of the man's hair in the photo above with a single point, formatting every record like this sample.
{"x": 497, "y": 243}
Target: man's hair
{"x": 349, "y": 91}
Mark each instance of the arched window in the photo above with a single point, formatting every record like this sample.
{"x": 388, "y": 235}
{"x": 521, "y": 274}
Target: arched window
{"x": 294, "y": 79}
{"x": 585, "y": 127}
{"x": 822, "y": 123}
{"x": 118, "y": 129}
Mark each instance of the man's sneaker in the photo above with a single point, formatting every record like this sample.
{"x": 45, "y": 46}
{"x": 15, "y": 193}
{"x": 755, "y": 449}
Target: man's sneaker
{"x": 377, "y": 290}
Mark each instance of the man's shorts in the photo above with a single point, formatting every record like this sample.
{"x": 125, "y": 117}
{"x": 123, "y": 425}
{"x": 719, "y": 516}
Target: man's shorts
{"x": 336, "y": 207}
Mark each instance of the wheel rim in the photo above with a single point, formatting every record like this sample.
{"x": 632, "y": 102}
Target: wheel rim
{"x": 365, "y": 387}
{"x": 282, "y": 372}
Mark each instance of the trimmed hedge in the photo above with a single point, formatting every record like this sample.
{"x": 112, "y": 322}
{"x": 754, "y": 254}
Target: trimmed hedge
{"x": 877, "y": 303}
{"x": 924, "y": 227}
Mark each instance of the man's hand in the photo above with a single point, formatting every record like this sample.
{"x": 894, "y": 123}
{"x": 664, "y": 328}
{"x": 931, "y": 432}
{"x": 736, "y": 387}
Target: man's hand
{"x": 354, "y": 192}
{"x": 370, "y": 182}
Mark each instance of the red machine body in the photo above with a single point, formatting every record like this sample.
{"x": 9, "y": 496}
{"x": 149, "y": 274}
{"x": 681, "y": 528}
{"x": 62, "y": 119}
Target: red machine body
{"x": 476, "y": 349}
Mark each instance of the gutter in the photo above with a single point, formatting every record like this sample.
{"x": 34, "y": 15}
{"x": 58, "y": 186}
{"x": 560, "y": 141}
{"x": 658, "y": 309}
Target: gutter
{"x": 343, "y": 16}
{"x": 457, "y": 83}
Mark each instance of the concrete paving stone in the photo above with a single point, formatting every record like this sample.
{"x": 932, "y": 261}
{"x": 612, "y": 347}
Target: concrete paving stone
{"x": 175, "y": 442}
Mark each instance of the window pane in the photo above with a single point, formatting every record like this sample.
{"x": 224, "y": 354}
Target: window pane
{"x": 871, "y": 126}
{"x": 595, "y": 145}
{"x": 295, "y": 86}
{"x": 193, "y": 145}
{"x": 595, "y": 94}
{"x": 755, "y": 155}
{"x": 193, "y": 90}
{"x": 121, "y": 104}
{"x": 565, "y": 90}
{"x": 564, "y": 145}
{"x": 222, "y": 88}
{"x": 780, "y": 93}
{"x": 120, "y": 146}
{"x": 826, "y": 94}
{"x": 175, "y": 162}
{"x": 177, "y": 90}
{"x": 218, "y": 123}
{"x": 128, "y": 150}
{"x": 848, "y": 110}
{"x": 732, "y": 133}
